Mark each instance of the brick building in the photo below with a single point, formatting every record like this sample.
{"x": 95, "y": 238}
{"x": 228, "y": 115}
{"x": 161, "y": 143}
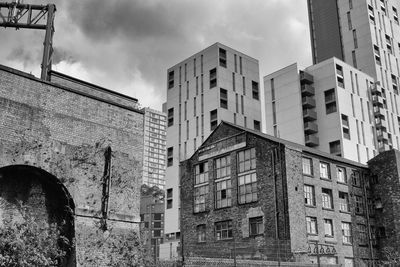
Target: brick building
{"x": 272, "y": 199}
{"x": 72, "y": 153}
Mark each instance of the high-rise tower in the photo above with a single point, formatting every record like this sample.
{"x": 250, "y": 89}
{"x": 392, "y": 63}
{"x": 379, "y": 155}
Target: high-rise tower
{"x": 217, "y": 83}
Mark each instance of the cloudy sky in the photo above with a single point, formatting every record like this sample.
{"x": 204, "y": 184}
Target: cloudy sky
{"x": 127, "y": 45}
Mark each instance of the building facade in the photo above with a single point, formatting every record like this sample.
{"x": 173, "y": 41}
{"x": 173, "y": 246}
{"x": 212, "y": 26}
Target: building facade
{"x": 217, "y": 83}
{"x": 278, "y": 200}
{"x": 330, "y": 106}
{"x": 154, "y": 153}
{"x": 366, "y": 35}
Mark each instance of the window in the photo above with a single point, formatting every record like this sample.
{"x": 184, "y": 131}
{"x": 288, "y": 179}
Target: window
{"x": 330, "y": 101}
{"x": 247, "y": 160}
{"x": 222, "y": 57}
{"x": 240, "y": 65}
{"x": 345, "y": 126}
{"x": 170, "y": 79}
{"x": 309, "y": 195}
{"x": 233, "y": 81}
{"x": 395, "y": 15}
{"x": 194, "y": 67}
{"x": 248, "y": 188}
{"x": 170, "y": 117}
{"x": 235, "y": 60}
{"x": 213, "y": 78}
{"x": 362, "y": 233}
{"x": 170, "y": 156}
{"x": 256, "y": 226}
{"x": 223, "y": 230}
{"x": 356, "y": 179}
{"x": 311, "y": 225}
{"x": 344, "y": 202}
{"x": 355, "y": 39}
{"x": 307, "y": 166}
{"x": 324, "y": 170}
{"x": 327, "y": 198}
{"x": 257, "y": 126}
{"x": 335, "y": 148}
{"x": 200, "y": 198}
{"x": 223, "y": 195}
{"x": 349, "y": 21}
{"x": 354, "y": 58}
{"x": 254, "y": 86}
{"x": 359, "y": 204}
{"x": 341, "y": 175}
{"x": 328, "y": 226}
{"x": 346, "y": 232}
{"x": 223, "y": 98}
{"x": 169, "y": 198}
{"x": 213, "y": 119}
{"x": 201, "y": 173}
{"x": 201, "y": 233}
{"x": 223, "y": 167}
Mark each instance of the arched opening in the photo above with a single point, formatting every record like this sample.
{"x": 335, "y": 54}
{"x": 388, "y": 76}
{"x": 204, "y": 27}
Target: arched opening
{"x": 44, "y": 197}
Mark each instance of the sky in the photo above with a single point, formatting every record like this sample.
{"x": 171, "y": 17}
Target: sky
{"x": 128, "y": 45}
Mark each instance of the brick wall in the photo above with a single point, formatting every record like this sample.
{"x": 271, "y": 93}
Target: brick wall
{"x": 66, "y": 134}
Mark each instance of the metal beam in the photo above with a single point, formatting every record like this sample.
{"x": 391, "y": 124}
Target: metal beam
{"x": 25, "y": 16}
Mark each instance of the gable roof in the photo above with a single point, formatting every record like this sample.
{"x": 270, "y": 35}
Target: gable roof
{"x": 286, "y": 143}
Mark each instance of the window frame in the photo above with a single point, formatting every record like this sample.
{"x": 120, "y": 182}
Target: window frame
{"x": 259, "y": 224}
{"x": 311, "y": 224}
{"x": 310, "y": 166}
{"x": 228, "y": 230}
{"x": 307, "y": 193}
{"x": 324, "y": 170}
{"x": 327, "y": 198}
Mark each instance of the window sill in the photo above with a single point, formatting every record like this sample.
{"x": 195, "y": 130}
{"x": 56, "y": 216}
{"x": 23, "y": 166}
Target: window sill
{"x": 330, "y": 241}
{"x": 363, "y": 245}
{"x": 329, "y": 236}
{"x": 328, "y": 209}
{"x": 200, "y": 212}
{"x": 343, "y": 183}
{"x": 257, "y": 235}
{"x": 225, "y": 240}
{"x": 311, "y": 234}
{"x": 347, "y": 244}
{"x": 241, "y": 204}
{"x": 326, "y": 179}
{"x": 222, "y": 208}
{"x": 310, "y": 206}
{"x": 308, "y": 175}
{"x": 345, "y": 212}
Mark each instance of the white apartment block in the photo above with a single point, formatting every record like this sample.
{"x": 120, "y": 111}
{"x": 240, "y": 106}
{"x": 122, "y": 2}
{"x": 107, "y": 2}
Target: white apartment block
{"x": 366, "y": 35}
{"x": 330, "y": 106}
{"x": 154, "y": 154}
{"x": 217, "y": 83}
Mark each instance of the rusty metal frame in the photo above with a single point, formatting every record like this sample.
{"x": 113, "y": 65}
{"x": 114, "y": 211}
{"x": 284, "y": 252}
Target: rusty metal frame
{"x": 25, "y": 16}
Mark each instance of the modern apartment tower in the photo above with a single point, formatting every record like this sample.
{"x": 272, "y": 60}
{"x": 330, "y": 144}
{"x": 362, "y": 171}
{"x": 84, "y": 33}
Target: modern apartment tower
{"x": 154, "y": 154}
{"x": 217, "y": 83}
{"x": 366, "y": 35}
{"x": 330, "y": 106}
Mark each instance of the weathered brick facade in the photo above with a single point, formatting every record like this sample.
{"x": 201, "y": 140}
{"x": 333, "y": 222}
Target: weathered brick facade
{"x": 62, "y": 133}
{"x": 280, "y": 182}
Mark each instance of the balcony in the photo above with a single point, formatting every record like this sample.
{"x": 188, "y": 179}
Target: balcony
{"x": 312, "y": 140}
{"x": 306, "y": 78}
{"x": 309, "y": 115}
{"x": 381, "y": 124}
{"x": 382, "y": 136}
{"x": 308, "y": 102}
{"x": 379, "y": 112}
{"x": 377, "y": 100}
{"x": 307, "y": 90}
{"x": 376, "y": 90}
{"x": 310, "y": 127}
{"x": 384, "y": 147}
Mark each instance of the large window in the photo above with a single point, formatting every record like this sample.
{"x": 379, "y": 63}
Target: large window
{"x": 223, "y": 98}
{"x": 307, "y": 166}
{"x": 330, "y": 101}
{"x": 362, "y": 232}
{"x": 201, "y": 173}
{"x": 356, "y": 179}
{"x": 213, "y": 78}
{"x": 170, "y": 79}
{"x": 248, "y": 188}
{"x": 247, "y": 160}
{"x": 309, "y": 196}
{"x": 311, "y": 225}
{"x": 223, "y": 194}
{"x": 324, "y": 170}
{"x": 200, "y": 198}
{"x": 256, "y": 226}
{"x": 254, "y": 86}
{"x": 346, "y": 232}
{"x": 170, "y": 117}
{"x": 201, "y": 233}
{"x": 341, "y": 175}
{"x": 223, "y": 230}
{"x": 359, "y": 204}
{"x": 223, "y": 167}
{"x": 222, "y": 57}
{"x": 327, "y": 202}
{"x": 170, "y": 156}
{"x": 344, "y": 202}
{"x": 213, "y": 119}
{"x": 169, "y": 198}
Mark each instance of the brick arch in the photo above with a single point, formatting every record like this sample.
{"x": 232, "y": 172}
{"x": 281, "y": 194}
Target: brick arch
{"x": 44, "y": 196}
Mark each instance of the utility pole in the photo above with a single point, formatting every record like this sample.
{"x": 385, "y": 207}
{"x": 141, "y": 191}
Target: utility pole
{"x": 18, "y": 15}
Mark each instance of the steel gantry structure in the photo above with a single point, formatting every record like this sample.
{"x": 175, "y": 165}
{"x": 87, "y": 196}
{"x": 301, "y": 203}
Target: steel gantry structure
{"x": 18, "y": 15}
